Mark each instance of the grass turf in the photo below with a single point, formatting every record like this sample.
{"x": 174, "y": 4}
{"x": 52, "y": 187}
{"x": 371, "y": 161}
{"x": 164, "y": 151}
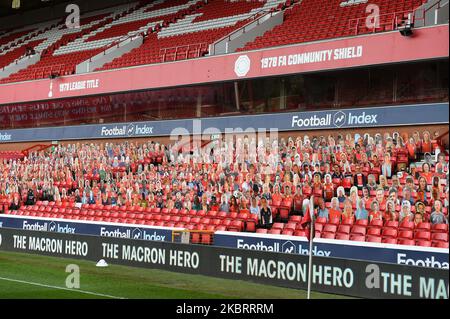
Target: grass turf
{"x": 123, "y": 282}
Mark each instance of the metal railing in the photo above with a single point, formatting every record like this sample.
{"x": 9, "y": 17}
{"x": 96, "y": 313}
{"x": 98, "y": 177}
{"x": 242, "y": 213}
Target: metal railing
{"x": 383, "y": 22}
{"x": 421, "y": 12}
{"x": 198, "y": 48}
{"x": 116, "y": 43}
{"x": 50, "y": 69}
{"x": 22, "y": 57}
{"x": 391, "y": 21}
{"x": 256, "y": 17}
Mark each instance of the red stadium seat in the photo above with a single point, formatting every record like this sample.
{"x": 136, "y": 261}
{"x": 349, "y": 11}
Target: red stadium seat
{"x": 334, "y": 221}
{"x": 318, "y": 227}
{"x": 423, "y": 243}
{"x": 250, "y": 226}
{"x": 407, "y": 242}
{"x": 358, "y": 230}
{"x": 291, "y": 225}
{"x": 374, "y": 231}
{"x": 440, "y": 228}
{"x": 274, "y": 231}
{"x": 389, "y": 233}
{"x": 226, "y": 222}
{"x": 348, "y": 221}
{"x": 278, "y": 226}
{"x": 327, "y": 235}
{"x": 344, "y": 229}
{"x": 424, "y": 226}
{"x": 439, "y": 237}
{"x": 284, "y": 213}
{"x": 406, "y": 225}
{"x": 288, "y": 232}
{"x": 362, "y": 222}
{"x": 389, "y": 240}
{"x": 373, "y": 239}
{"x": 236, "y": 225}
{"x": 406, "y": 234}
{"x": 342, "y": 236}
{"x": 422, "y": 235}
{"x": 357, "y": 237}
{"x": 440, "y": 244}
{"x": 206, "y": 239}
{"x": 329, "y": 228}
{"x": 300, "y": 233}
{"x": 391, "y": 224}
{"x": 321, "y": 220}
{"x": 295, "y": 218}
{"x": 195, "y": 238}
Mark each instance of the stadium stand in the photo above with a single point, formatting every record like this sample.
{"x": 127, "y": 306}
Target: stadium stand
{"x": 172, "y": 30}
{"x": 184, "y": 29}
{"x": 191, "y": 35}
{"x": 54, "y": 38}
{"x": 315, "y": 20}
{"x": 155, "y": 184}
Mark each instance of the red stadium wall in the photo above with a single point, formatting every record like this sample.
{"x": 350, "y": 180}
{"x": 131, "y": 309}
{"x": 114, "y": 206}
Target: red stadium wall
{"x": 391, "y": 47}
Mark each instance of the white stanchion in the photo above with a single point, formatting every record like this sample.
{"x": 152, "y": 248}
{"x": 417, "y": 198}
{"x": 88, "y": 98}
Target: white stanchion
{"x": 311, "y": 238}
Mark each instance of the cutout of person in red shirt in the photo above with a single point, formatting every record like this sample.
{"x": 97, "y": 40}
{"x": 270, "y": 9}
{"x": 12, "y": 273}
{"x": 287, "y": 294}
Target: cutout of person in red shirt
{"x": 390, "y": 213}
{"x": 375, "y": 213}
{"x": 328, "y": 188}
{"x": 335, "y": 211}
{"x": 426, "y": 143}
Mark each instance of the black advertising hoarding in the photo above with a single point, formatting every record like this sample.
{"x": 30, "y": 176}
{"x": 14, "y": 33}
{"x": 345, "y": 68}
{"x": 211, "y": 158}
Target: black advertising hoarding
{"x": 330, "y": 275}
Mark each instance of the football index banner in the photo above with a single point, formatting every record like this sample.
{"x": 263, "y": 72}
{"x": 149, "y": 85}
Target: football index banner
{"x": 383, "y": 116}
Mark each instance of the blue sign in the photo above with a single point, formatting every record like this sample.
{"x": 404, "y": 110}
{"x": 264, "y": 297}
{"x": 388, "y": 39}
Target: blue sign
{"x": 418, "y": 114}
{"x": 88, "y": 228}
{"x": 416, "y": 256}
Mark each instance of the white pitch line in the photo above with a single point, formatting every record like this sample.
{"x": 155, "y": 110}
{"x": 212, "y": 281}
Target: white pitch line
{"x": 61, "y": 288}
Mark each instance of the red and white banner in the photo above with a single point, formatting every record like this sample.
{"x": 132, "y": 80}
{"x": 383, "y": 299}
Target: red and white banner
{"x": 426, "y": 43}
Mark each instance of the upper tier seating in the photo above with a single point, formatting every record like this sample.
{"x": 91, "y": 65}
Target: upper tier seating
{"x": 313, "y": 20}
{"x": 52, "y": 37}
{"x": 169, "y": 24}
{"x": 182, "y": 29}
{"x": 190, "y": 36}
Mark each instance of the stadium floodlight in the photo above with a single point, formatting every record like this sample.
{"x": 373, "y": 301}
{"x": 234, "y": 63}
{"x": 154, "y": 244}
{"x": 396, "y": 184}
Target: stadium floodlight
{"x": 406, "y": 30}
{"x": 15, "y": 4}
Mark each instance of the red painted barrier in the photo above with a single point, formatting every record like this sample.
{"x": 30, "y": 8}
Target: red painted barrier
{"x": 426, "y": 43}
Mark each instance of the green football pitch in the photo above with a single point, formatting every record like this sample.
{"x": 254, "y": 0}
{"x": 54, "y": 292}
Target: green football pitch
{"x": 33, "y": 276}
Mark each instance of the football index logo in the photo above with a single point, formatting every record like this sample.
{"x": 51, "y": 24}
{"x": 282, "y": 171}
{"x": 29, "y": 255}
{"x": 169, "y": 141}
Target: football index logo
{"x": 131, "y": 129}
{"x": 339, "y": 119}
{"x": 52, "y": 226}
{"x": 289, "y": 248}
{"x": 137, "y": 233}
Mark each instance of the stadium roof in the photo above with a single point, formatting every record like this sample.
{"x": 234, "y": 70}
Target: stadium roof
{"x": 25, "y": 5}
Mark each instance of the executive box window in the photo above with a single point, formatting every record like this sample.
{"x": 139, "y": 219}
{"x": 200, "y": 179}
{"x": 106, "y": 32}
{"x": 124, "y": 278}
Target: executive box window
{"x": 420, "y": 82}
